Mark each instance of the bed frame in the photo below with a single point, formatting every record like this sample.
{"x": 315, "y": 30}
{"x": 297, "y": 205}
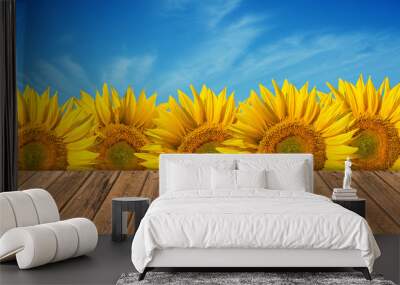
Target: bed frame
{"x": 241, "y": 259}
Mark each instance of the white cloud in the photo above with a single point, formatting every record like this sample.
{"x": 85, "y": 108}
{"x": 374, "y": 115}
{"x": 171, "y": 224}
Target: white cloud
{"x": 213, "y": 58}
{"x": 68, "y": 77}
{"x": 237, "y": 57}
{"x": 74, "y": 70}
{"x": 217, "y": 10}
{"x": 317, "y": 57}
{"x": 124, "y": 71}
{"x": 62, "y": 74}
{"x": 49, "y": 73}
{"x": 234, "y": 51}
{"x": 210, "y": 12}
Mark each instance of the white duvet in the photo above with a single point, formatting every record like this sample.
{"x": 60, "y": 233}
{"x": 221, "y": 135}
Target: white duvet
{"x": 250, "y": 219}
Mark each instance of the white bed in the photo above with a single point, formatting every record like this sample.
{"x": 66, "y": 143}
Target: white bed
{"x": 249, "y": 227}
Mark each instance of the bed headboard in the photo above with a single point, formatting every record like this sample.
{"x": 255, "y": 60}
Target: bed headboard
{"x": 165, "y": 158}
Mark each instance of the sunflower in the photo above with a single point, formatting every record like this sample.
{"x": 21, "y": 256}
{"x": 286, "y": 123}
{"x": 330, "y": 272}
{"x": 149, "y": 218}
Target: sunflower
{"x": 191, "y": 126}
{"x": 120, "y": 125}
{"x": 293, "y": 121}
{"x": 51, "y": 137}
{"x": 377, "y": 115}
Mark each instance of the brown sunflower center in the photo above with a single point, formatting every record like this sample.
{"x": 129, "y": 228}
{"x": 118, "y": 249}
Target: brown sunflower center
{"x": 294, "y": 137}
{"x": 378, "y": 143}
{"x": 40, "y": 149}
{"x": 117, "y": 146}
{"x": 293, "y": 144}
{"x": 204, "y": 139}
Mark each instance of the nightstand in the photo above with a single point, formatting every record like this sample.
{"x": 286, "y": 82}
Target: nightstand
{"x": 120, "y": 208}
{"x": 357, "y": 206}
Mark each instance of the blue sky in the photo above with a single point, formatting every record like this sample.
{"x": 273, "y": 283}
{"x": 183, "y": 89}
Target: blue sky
{"x": 162, "y": 46}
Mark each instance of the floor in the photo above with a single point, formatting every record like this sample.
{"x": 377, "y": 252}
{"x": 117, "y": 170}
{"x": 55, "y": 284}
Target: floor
{"x": 110, "y": 260}
{"x": 103, "y": 266}
{"x": 89, "y": 193}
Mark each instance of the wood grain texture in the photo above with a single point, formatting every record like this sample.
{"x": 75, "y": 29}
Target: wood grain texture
{"x": 150, "y": 188}
{"x": 24, "y": 176}
{"x": 66, "y": 185}
{"x": 391, "y": 178}
{"x": 321, "y": 187}
{"x": 380, "y": 192}
{"x": 89, "y": 193}
{"x": 129, "y": 183}
{"x": 88, "y": 199}
{"x": 40, "y": 179}
{"x": 379, "y": 220}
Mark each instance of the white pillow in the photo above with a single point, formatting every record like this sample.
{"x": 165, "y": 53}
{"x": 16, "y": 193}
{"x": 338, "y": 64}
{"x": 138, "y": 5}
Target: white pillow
{"x": 183, "y": 178}
{"x": 187, "y": 174}
{"x": 288, "y": 175}
{"x": 236, "y": 179}
{"x": 289, "y": 179}
{"x": 251, "y": 178}
{"x": 223, "y": 179}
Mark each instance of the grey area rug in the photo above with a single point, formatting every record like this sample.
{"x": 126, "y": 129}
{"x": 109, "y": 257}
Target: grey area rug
{"x": 269, "y": 278}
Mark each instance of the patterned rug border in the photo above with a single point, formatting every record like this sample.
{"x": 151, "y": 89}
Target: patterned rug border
{"x": 268, "y": 278}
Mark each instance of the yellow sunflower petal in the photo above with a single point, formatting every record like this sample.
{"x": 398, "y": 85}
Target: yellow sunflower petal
{"x": 79, "y": 132}
{"x": 396, "y": 165}
{"x": 47, "y": 126}
{"x": 102, "y": 109}
{"x": 341, "y": 138}
{"x": 23, "y": 115}
{"x": 82, "y": 144}
{"x": 81, "y": 159}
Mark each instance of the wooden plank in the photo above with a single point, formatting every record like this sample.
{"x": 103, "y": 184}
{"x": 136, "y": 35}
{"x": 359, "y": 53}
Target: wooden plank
{"x": 391, "y": 178}
{"x": 147, "y": 185}
{"x": 150, "y": 188}
{"x": 382, "y": 193}
{"x": 65, "y": 187}
{"x": 90, "y": 196}
{"x": 320, "y": 187}
{"x": 129, "y": 183}
{"x": 24, "y": 175}
{"x": 379, "y": 221}
{"x": 41, "y": 179}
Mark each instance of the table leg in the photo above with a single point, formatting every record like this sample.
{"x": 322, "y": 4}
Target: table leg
{"x": 116, "y": 222}
{"x": 140, "y": 211}
{"x": 124, "y": 224}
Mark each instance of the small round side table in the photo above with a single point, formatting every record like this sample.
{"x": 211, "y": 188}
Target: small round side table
{"x": 120, "y": 208}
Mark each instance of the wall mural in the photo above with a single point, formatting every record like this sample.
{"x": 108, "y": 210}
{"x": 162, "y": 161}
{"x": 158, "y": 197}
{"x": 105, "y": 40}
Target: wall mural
{"x": 195, "y": 77}
{"x": 113, "y": 131}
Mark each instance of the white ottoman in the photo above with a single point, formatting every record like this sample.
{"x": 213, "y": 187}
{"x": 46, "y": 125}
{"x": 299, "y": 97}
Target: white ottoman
{"x": 31, "y": 232}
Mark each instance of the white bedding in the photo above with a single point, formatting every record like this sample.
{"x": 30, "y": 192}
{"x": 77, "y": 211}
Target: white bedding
{"x": 252, "y": 218}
